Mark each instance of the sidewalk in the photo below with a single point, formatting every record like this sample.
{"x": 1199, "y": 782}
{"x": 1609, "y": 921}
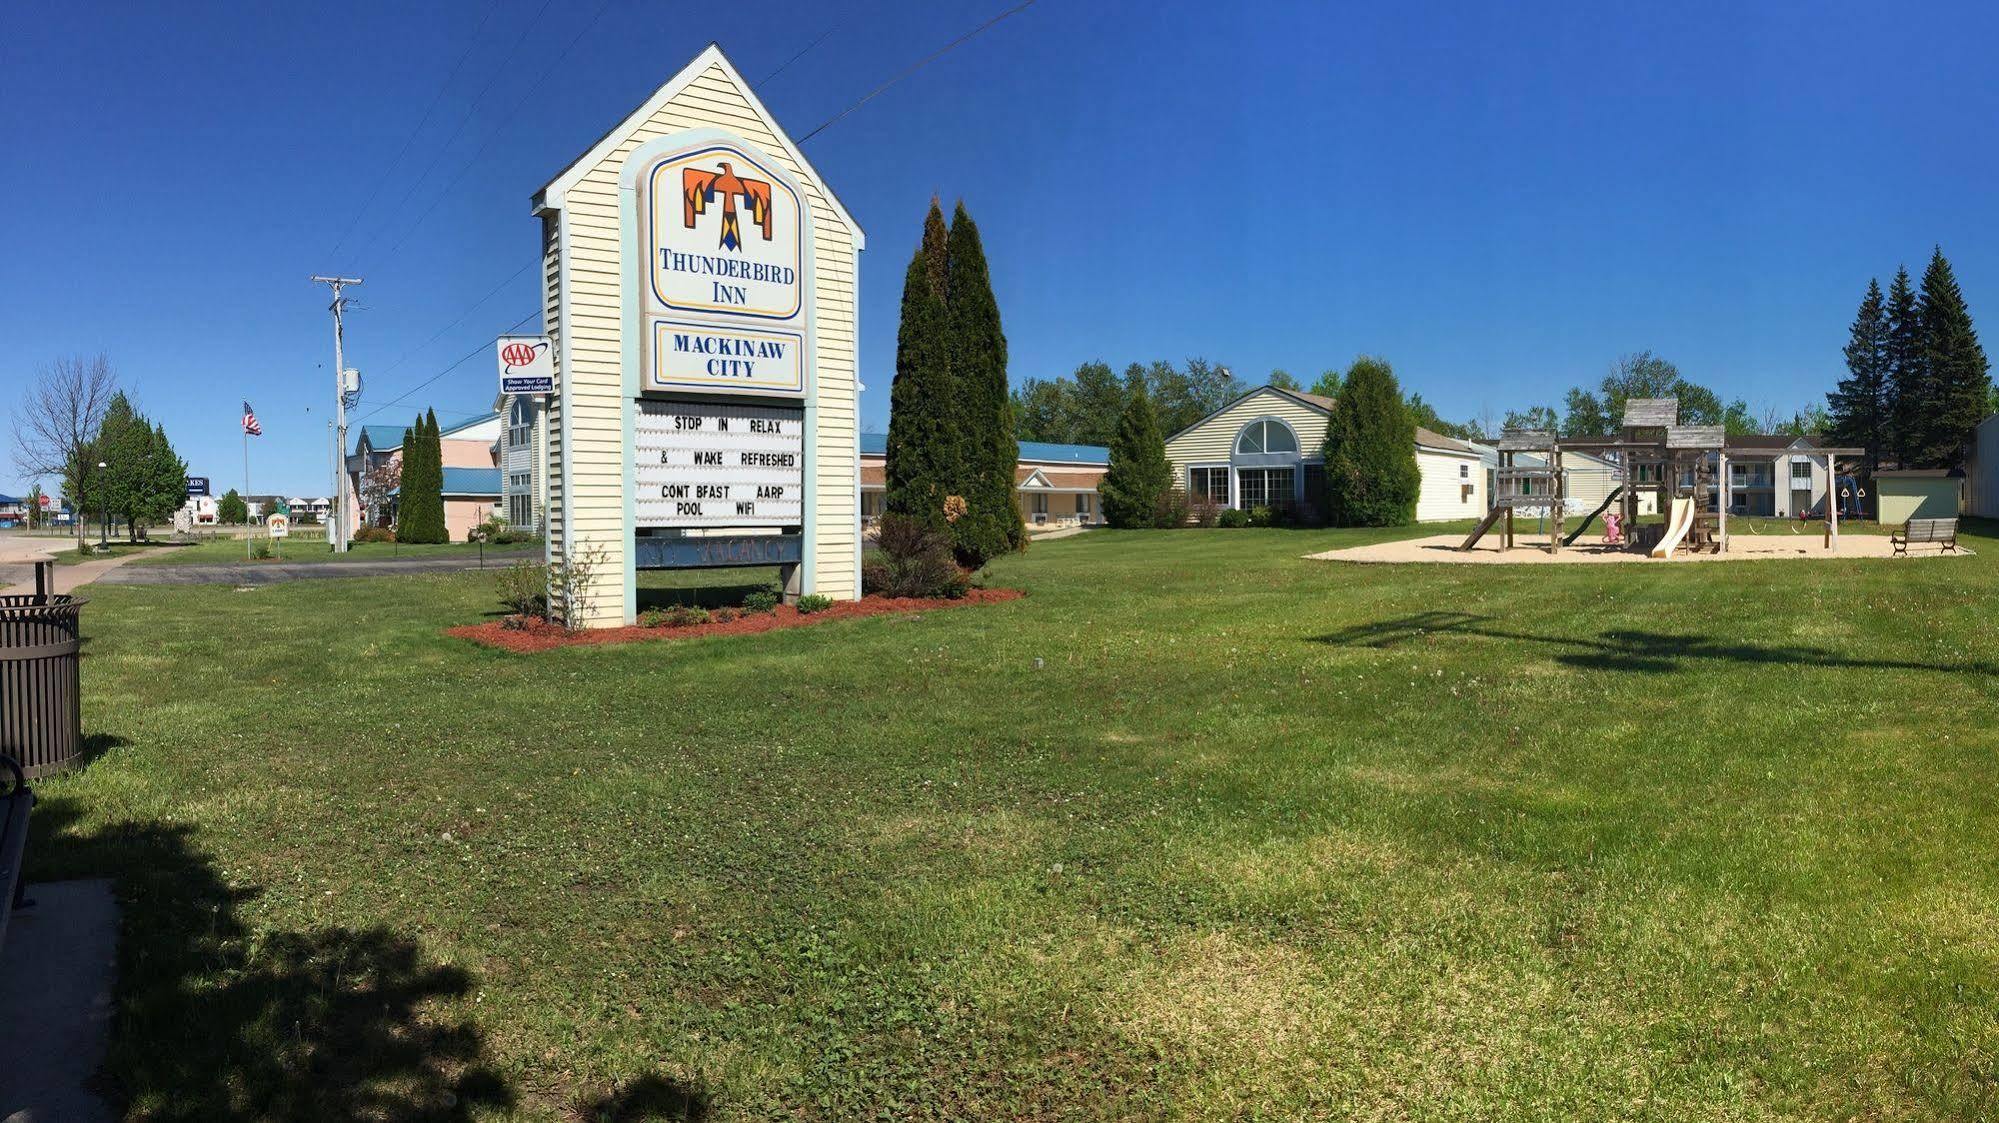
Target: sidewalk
{"x": 55, "y": 1003}
{"x": 67, "y": 577}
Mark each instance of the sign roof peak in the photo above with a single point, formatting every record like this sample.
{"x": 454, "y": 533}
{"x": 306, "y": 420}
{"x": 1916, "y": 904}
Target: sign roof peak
{"x": 550, "y": 197}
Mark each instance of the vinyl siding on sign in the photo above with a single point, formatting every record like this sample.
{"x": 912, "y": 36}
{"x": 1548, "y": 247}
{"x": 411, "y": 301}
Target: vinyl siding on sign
{"x": 586, "y": 421}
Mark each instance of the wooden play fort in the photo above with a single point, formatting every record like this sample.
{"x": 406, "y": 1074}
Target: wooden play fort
{"x": 1685, "y": 467}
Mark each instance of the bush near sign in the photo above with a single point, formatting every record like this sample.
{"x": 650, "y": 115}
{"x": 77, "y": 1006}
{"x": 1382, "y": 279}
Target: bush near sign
{"x": 705, "y": 464}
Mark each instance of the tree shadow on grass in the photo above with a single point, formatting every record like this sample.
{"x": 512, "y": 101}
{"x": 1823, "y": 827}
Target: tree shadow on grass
{"x": 652, "y": 1099}
{"x": 216, "y": 1022}
{"x": 1625, "y": 649}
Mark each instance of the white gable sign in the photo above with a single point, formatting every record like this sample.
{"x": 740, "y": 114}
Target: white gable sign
{"x": 723, "y": 245}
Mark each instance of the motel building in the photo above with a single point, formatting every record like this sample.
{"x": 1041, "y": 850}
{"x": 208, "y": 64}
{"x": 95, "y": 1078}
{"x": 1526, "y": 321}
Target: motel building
{"x": 1264, "y": 450}
{"x": 1056, "y": 484}
{"x": 470, "y": 451}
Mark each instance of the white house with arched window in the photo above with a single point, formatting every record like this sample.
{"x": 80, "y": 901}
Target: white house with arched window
{"x": 1264, "y": 450}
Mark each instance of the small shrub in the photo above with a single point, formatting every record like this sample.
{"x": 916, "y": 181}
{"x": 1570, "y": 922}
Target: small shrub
{"x": 1232, "y": 518}
{"x": 763, "y": 600}
{"x": 915, "y": 560}
{"x": 955, "y": 586}
{"x": 1203, "y": 511}
{"x": 814, "y": 602}
{"x": 374, "y": 534}
{"x": 725, "y": 615}
{"x": 685, "y": 616}
{"x": 261, "y": 551}
{"x": 1173, "y": 509}
{"x": 523, "y": 588}
{"x": 1262, "y": 516}
{"x": 652, "y": 618}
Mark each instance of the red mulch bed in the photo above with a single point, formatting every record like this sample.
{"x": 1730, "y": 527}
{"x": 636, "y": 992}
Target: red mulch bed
{"x": 540, "y": 635}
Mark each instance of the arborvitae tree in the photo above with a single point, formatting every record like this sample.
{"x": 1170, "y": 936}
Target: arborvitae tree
{"x": 433, "y": 462}
{"x": 1139, "y": 474}
{"x": 408, "y": 521}
{"x": 230, "y": 510}
{"x": 988, "y": 451}
{"x": 922, "y": 462}
{"x": 420, "y": 505}
{"x": 1859, "y": 407}
{"x": 1958, "y": 375}
{"x": 1371, "y": 473}
{"x": 1908, "y": 390}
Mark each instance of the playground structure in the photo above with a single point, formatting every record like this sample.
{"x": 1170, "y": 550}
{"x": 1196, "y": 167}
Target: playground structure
{"x": 1685, "y": 466}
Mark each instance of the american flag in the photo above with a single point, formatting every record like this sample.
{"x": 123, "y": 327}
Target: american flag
{"x": 250, "y": 425}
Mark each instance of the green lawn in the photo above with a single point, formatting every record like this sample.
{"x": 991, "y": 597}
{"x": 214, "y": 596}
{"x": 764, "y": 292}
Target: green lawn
{"x": 1197, "y": 830}
{"x": 313, "y": 549}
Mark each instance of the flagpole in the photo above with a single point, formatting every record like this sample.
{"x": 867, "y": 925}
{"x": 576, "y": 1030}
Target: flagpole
{"x": 249, "y": 528}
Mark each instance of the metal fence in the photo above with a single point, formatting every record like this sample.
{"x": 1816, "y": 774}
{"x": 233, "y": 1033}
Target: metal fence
{"x": 41, "y": 717}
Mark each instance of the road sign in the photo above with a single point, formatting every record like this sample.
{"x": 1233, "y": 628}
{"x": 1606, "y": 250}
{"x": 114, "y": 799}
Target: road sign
{"x": 278, "y": 526}
{"x": 197, "y": 485}
{"x": 527, "y": 364}
{"x": 46, "y": 503}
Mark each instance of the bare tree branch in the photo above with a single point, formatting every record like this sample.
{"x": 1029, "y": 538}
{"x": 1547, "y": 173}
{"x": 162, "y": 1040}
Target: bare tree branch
{"x": 57, "y": 425}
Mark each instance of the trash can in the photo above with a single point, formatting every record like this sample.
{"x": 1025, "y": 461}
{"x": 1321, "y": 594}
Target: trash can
{"x": 41, "y": 714}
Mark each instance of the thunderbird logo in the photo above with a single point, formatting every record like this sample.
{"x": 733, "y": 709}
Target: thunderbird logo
{"x": 698, "y": 188}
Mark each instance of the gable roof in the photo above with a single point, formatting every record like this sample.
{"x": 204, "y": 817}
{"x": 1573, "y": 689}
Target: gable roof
{"x": 550, "y": 197}
{"x": 1316, "y": 401}
{"x": 381, "y": 438}
{"x": 1427, "y": 438}
{"x": 463, "y": 425}
{"x": 1767, "y": 440}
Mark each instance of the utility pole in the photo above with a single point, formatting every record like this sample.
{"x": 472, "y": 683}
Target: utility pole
{"x": 342, "y": 532}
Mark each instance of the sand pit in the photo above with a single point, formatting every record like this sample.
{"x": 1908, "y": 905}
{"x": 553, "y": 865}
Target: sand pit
{"x": 1532, "y": 550}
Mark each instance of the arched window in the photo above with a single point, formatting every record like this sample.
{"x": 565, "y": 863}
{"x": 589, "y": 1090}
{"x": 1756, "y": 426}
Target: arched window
{"x": 1266, "y": 435}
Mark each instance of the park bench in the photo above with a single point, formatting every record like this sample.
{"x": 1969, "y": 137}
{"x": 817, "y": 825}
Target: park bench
{"x": 15, "y": 802}
{"x": 1939, "y": 532}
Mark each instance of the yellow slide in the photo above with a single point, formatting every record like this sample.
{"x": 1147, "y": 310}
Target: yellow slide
{"x": 1678, "y": 523}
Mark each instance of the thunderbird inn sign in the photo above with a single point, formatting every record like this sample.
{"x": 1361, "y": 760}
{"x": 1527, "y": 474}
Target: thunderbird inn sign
{"x": 701, "y": 325}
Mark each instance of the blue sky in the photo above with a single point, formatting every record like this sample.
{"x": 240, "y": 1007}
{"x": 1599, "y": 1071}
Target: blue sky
{"x": 1499, "y": 199}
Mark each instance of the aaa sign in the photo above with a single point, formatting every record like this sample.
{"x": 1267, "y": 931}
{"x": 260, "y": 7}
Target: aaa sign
{"x": 707, "y": 465}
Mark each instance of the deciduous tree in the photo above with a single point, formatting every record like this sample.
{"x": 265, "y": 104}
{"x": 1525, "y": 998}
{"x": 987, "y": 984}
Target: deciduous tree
{"x": 57, "y": 423}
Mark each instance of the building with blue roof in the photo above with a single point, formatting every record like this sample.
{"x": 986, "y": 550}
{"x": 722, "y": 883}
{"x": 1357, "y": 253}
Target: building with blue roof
{"x": 470, "y": 450}
{"x": 1056, "y": 484}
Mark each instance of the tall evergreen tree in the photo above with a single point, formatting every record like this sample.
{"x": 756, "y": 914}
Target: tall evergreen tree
{"x": 420, "y": 504}
{"x": 988, "y": 450}
{"x": 1908, "y": 391}
{"x": 1370, "y": 452}
{"x": 1139, "y": 474}
{"x": 922, "y": 461}
{"x": 1859, "y": 406}
{"x": 1959, "y": 378}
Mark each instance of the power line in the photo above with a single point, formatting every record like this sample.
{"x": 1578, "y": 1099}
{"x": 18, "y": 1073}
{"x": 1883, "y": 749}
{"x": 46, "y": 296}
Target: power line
{"x": 461, "y": 361}
{"x": 435, "y": 98}
{"x": 498, "y": 70}
{"x": 920, "y": 64}
{"x": 802, "y": 52}
{"x": 461, "y": 316}
{"x": 546, "y": 69}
